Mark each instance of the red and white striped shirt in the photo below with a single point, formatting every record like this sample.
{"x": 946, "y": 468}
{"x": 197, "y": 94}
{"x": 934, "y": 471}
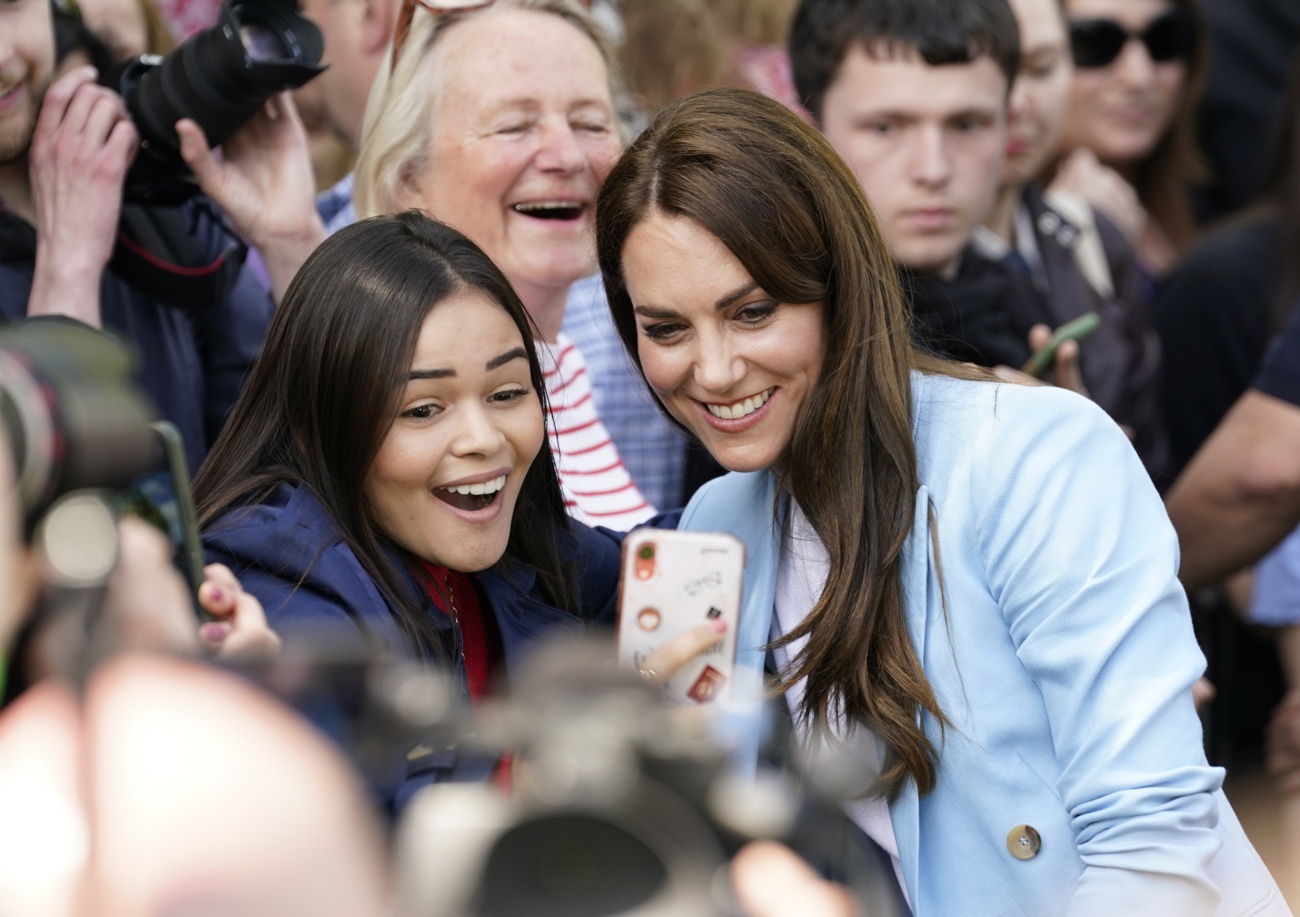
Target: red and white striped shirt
{"x": 597, "y": 488}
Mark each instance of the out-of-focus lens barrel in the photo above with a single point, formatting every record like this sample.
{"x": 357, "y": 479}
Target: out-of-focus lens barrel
{"x": 71, "y": 412}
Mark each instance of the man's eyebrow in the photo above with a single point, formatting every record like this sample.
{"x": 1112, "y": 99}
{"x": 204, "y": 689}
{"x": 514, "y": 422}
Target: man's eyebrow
{"x": 518, "y": 353}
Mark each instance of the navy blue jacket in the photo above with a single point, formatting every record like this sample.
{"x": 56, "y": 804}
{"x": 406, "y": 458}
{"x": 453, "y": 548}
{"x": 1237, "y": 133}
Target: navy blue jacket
{"x": 191, "y": 357}
{"x": 289, "y": 553}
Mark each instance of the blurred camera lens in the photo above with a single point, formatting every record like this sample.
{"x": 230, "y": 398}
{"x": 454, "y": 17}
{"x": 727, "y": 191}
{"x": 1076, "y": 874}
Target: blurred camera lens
{"x": 219, "y": 78}
{"x": 70, "y": 412}
{"x": 260, "y": 43}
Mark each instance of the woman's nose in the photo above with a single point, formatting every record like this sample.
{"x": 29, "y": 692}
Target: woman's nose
{"x": 560, "y": 150}
{"x": 718, "y": 365}
{"x": 476, "y": 432}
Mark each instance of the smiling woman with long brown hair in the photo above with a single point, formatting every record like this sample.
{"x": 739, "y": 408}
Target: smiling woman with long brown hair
{"x": 971, "y": 583}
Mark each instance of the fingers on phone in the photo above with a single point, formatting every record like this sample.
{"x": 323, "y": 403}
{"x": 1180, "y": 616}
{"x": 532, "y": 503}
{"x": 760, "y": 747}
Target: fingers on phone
{"x": 664, "y": 662}
{"x": 219, "y": 592}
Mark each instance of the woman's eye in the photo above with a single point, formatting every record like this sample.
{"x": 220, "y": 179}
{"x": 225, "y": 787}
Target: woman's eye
{"x": 510, "y": 394}
{"x": 421, "y": 412}
{"x": 661, "y": 331}
{"x": 757, "y": 313}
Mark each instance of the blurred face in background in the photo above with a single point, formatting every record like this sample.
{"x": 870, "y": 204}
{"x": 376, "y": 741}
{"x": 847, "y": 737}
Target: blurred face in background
{"x": 26, "y": 66}
{"x": 927, "y": 143}
{"x": 1041, "y": 93}
{"x": 524, "y": 135}
{"x": 120, "y": 23}
{"x": 1121, "y": 110}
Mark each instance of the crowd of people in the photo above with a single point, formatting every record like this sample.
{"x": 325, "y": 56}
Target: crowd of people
{"x": 526, "y": 274}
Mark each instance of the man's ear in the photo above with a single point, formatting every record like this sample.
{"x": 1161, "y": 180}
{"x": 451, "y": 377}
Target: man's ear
{"x": 377, "y": 22}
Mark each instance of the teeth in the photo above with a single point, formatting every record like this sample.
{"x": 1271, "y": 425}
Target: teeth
{"x": 740, "y": 408}
{"x": 547, "y": 205}
{"x": 478, "y": 490}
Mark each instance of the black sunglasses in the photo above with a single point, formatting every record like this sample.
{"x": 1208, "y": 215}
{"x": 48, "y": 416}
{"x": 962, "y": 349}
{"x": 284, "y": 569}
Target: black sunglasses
{"x": 1097, "y": 42}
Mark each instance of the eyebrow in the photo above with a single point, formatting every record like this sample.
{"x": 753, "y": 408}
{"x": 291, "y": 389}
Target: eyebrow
{"x": 722, "y": 303}
{"x": 496, "y": 362}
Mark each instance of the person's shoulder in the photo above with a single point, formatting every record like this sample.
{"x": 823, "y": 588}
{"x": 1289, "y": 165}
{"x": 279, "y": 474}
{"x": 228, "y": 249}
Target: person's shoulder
{"x": 962, "y": 422}
{"x": 1231, "y": 254}
{"x": 290, "y": 521}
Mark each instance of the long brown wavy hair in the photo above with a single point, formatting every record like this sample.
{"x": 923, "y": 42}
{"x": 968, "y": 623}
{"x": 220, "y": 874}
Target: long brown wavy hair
{"x": 777, "y": 195}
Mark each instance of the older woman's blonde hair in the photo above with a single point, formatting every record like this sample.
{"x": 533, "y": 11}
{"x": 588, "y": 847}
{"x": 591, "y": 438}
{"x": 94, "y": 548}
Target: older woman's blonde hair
{"x": 402, "y": 109}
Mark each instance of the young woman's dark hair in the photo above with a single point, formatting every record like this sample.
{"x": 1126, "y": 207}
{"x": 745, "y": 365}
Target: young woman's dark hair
{"x": 1164, "y": 177}
{"x": 325, "y": 391}
{"x": 775, "y": 193}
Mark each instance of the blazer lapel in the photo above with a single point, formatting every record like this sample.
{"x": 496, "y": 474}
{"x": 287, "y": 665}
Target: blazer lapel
{"x": 746, "y": 506}
{"x": 905, "y": 813}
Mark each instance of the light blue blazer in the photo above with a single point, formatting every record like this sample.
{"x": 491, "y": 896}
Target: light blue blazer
{"x": 1061, "y": 650}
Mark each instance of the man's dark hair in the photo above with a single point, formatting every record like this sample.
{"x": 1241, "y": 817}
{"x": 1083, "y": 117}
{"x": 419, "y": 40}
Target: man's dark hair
{"x": 941, "y": 31}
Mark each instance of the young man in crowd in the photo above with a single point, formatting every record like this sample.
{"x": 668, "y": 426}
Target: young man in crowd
{"x": 913, "y": 94}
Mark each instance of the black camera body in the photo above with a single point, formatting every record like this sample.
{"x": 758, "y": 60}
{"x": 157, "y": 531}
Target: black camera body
{"x": 619, "y": 804}
{"x": 219, "y": 78}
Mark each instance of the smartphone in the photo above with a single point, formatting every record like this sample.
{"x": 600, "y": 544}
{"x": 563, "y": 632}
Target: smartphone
{"x": 1073, "y": 330}
{"x": 672, "y": 582}
{"x": 167, "y": 502}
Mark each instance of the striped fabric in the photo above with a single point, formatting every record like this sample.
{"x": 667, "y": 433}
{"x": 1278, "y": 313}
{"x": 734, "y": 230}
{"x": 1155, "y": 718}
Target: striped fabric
{"x": 597, "y": 488}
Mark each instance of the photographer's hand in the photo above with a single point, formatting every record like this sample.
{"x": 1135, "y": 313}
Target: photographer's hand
{"x": 771, "y": 881}
{"x": 264, "y": 184}
{"x": 242, "y": 634}
{"x": 83, "y": 143}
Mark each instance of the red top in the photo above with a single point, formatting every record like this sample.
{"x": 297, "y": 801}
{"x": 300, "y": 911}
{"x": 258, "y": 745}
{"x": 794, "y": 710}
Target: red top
{"x": 454, "y": 594}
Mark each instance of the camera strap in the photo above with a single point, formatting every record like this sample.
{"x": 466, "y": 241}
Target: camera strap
{"x": 160, "y": 251}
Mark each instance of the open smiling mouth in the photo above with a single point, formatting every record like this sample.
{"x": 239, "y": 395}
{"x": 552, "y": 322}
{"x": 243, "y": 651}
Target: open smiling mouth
{"x": 740, "y": 408}
{"x": 471, "y": 497}
{"x": 551, "y": 210}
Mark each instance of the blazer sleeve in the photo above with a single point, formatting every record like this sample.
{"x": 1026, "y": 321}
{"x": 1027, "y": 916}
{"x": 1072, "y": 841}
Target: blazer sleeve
{"x": 1082, "y": 560}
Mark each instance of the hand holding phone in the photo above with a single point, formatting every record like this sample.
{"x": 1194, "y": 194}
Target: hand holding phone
{"x": 672, "y": 583}
{"x": 1076, "y": 330}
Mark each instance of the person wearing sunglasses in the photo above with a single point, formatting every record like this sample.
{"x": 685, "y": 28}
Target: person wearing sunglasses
{"x": 1139, "y": 67}
{"x": 1076, "y": 257}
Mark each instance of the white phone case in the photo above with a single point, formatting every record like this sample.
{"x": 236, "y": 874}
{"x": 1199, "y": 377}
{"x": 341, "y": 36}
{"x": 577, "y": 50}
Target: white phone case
{"x": 672, "y": 582}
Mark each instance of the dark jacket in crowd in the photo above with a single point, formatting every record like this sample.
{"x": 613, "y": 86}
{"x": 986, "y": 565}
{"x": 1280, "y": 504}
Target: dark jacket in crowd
{"x": 1216, "y": 311}
{"x": 176, "y": 291}
{"x": 1121, "y": 361}
{"x": 291, "y": 555}
{"x": 981, "y": 316}
{"x": 984, "y": 314}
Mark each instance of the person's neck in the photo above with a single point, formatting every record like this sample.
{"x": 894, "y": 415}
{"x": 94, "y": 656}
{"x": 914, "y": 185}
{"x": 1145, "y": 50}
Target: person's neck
{"x": 947, "y": 271}
{"x": 16, "y": 189}
{"x": 546, "y": 306}
{"x": 1002, "y": 219}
